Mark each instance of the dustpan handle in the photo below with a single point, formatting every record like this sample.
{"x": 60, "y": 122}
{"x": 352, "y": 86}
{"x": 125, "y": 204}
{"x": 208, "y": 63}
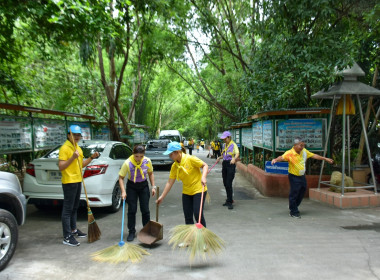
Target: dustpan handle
{"x": 157, "y": 194}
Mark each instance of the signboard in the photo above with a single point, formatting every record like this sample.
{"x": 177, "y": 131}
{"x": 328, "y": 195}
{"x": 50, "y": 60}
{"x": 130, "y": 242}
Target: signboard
{"x": 15, "y": 134}
{"x": 257, "y": 134}
{"x": 101, "y": 133}
{"x": 48, "y": 133}
{"x": 277, "y": 168}
{"x": 237, "y": 136}
{"x": 246, "y": 137}
{"x": 310, "y": 130}
{"x": 267, "y": 134}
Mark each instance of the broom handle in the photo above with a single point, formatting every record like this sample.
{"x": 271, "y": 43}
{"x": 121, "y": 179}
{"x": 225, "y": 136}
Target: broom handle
{"x": 203, "y": 191}
{"x": 122, "y": 222}
{"x": 157, "y": 194}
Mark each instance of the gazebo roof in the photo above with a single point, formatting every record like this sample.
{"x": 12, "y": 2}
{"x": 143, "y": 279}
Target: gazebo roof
{"x": 348, "y": 86}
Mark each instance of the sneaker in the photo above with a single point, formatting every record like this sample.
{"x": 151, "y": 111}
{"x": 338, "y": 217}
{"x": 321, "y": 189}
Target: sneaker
{"x": 131, "y": 236}
{"x": 79, "y": 234}
{"x": 230, "y": 206}
{"x": 71, "y": 241}
{"x": 183, "y": 245}
{"x": 297, "y": 215}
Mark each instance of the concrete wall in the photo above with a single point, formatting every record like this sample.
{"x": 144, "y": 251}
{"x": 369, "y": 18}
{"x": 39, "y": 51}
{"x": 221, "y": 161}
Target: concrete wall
{"x": 275, "y": 185}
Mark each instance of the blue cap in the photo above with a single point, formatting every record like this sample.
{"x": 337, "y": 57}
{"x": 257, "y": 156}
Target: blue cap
{"x": 75, "y": 129}
{"x": 173, "y": 146}
{"x": 225, "y": 134}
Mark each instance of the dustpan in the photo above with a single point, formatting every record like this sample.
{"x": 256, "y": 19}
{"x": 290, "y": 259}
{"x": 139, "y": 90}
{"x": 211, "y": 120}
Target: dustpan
{"x": 153, "y": 230}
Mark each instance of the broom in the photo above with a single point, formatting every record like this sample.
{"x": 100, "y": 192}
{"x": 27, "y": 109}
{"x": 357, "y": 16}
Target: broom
{"x": 93, "y": 229}
{"x": 199, "y": 239}
{"x": 121, "y": 252}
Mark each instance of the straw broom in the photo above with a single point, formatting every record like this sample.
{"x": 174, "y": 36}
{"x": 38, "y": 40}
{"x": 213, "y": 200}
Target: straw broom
{"x": 93, "y": 229}
{"x": 121, "y": 252}
{"x": 200, "y": 240}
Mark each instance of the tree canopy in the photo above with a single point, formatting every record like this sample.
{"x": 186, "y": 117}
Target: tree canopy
{"x": 192, "y": 65}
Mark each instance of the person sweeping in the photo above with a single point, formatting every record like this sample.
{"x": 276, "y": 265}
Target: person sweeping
{"x": 71, "y": 162}
{"x": 187, "y": 169}
{"x": 138, "y": 168}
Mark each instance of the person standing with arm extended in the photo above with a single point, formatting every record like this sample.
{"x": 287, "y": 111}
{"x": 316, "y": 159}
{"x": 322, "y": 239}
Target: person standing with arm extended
{"x": 187, "y": 169}
{"x": 297, "y": 157}
{"x": 70, "y": 164}
{"x": 229, "y": 155}
{"x": 138, "y": 168}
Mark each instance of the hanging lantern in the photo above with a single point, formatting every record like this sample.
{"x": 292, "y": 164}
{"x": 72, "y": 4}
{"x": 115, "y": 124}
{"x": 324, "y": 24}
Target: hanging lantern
{"x": 350, "y": 106}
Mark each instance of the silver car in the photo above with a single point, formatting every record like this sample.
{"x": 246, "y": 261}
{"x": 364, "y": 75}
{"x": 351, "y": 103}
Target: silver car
{"x": 42, "y": 183}
{"x": 12, "y": 214}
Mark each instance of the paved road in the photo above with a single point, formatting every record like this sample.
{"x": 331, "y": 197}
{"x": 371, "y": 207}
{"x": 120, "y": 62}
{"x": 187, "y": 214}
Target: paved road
{"x": 263, "y": 242}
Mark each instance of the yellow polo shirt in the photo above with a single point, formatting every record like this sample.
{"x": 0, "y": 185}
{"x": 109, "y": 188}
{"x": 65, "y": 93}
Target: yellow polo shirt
{"x": 297, "y": 162}
{"x": 189, "y": 172}
{"x": 72, "y": 174}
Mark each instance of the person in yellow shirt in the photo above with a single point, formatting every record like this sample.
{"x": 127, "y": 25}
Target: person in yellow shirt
{"x": 187, "y": 169}
{"x": 296, "y": 157}
{"x": 70, "y": 164}
{"x": 137, "y": 168}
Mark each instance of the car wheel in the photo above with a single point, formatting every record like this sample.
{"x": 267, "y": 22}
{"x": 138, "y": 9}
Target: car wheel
{"x": 116, "y": 199}
{"x": 8, "y": 237}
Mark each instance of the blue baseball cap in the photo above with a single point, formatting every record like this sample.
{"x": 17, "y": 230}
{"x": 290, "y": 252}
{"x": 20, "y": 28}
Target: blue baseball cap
{"x": 225, "y": 134}
{"x": 173, "y": 146}
{"x": 75, "y": 129}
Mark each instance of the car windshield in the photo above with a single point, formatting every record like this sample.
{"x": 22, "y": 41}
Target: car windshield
{"x": 87, "y": 148}
{"x": 171, "y": 137}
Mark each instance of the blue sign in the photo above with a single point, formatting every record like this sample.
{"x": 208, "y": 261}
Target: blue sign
{"x": 277, "y": 168}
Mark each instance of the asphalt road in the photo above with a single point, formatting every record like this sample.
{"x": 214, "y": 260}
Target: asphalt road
{"x": 262, "y": 241}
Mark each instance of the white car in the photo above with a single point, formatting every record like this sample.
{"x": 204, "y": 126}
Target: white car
{"x": 42, "y": 183}
{"x": 12, "y": 215}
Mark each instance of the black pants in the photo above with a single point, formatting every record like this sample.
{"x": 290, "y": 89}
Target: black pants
{"x": 228, "y": 174}
{"x": 135, "y": 192}
{"x": 217, "y": 153}
{"x": 191, "y": 206}
{"x": 190, "y": 151}
{"x": 71, "y": 198}
{"x": 297, "y": 192}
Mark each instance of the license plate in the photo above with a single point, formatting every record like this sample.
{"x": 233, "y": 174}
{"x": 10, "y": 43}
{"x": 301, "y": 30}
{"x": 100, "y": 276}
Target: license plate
{"x": 55, "y": 176}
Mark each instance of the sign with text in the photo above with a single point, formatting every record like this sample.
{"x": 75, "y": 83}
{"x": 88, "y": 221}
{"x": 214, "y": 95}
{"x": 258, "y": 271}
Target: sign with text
{"x": 267, "y": 134}
{"x": 246, "y": 137}
{"x": 257, "y": 134}
{"x": 277, "y": 168}
{"x": 15, "y": 134}
{"x": 312, "y": 131}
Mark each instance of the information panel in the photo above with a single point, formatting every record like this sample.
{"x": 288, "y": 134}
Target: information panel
{"x": 49, "y": 133}
{"x": 15, "y": 134}
{"x": 267, "y": 134}
{"x": 310, "y": 130}
{"x": 101, "y": 133}
{"x": 246, "y": 137}
{"x": 257, "y": 134}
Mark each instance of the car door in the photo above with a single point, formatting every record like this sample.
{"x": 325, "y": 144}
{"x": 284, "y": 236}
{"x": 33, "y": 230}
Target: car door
{"x": 118, "y": 154}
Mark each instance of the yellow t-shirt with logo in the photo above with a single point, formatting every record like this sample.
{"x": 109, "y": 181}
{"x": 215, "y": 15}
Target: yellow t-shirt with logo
{"x": 72, "y": 174}
{"x": 189, "y": 173}
{"x": 297, "y": 162}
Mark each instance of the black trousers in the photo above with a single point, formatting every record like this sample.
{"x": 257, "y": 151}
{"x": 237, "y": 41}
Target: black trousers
{"x": 297, "y": 192}
{"x": 228, "y": 174}
{"x": 191, "y": 206}
{"x": 71, "y": 198}
{"x": 135, "y": 192}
